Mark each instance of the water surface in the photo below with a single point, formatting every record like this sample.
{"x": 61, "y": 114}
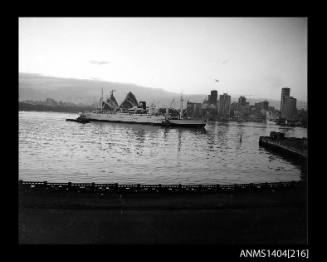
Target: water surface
{"x": 54, "y": 150}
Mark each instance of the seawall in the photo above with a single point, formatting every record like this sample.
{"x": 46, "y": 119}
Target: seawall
{"x": 291, "y": 146}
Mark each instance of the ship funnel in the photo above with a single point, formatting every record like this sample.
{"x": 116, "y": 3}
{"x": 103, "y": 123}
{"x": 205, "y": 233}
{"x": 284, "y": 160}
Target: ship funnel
{"x": 142, "y": 104}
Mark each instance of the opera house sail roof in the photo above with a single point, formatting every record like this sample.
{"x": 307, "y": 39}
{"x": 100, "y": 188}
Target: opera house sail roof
{"x": 129, "y": 101}
{"x": 111, "y": 104}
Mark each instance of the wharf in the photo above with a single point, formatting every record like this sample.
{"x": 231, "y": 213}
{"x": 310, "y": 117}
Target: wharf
{"x": 290, "y": 146}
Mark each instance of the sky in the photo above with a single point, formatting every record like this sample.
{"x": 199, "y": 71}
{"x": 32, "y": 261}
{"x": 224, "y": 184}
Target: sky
{"x": 254, "y": 57}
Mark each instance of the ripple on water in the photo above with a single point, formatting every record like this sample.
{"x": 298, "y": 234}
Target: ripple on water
{"x": 55, "y": 150}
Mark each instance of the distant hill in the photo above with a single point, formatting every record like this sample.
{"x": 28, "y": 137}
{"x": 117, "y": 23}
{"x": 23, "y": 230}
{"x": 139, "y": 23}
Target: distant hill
{"x": 52, "y": 105}
{"x": 38, "y": 87}
{"x": 84, "y": 91}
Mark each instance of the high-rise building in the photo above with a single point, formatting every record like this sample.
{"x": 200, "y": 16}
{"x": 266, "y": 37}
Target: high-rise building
{"x": 242, "y": 101}
{"x": 213, "y": 97}
{"x": 234, "y": 109}
{"x": 224, "y": 105}
{"x": 193, "y": 108}
{"x": 287, "y": 105}
{"x": 285, "y": 94}
{"x": 262, "y": 105}
{"x": 265, "y": 105}
{"x": 289, "y": 108}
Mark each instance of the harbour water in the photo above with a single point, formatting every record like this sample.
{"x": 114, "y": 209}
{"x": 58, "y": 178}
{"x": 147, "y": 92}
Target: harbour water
{"x": 54, "y": 150}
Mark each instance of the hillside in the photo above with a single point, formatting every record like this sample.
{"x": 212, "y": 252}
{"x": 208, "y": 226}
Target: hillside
{"x": 37, "y": 87}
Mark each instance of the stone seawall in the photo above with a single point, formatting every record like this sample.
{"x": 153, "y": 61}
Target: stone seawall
{"x": 293, "y": 147}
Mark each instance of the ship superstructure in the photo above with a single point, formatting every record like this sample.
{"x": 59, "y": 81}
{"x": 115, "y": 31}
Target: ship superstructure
{"x": 132, "y": 111}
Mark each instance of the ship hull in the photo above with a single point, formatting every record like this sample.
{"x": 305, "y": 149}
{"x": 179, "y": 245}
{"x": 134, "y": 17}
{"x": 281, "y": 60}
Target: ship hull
{"x": 142, "y": 119}
{"x": 122, "y": 121}
{"x": 187, "y": 123}
{"x": 123, "y": 118}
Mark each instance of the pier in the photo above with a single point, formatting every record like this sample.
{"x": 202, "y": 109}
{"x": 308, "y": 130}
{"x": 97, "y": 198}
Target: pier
{"x": 289, "y": 146}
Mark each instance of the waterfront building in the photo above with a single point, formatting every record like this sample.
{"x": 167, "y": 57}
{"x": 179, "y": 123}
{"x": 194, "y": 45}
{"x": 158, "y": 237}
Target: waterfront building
{"x": 261, "y": 109}
{"x": 265, "y": 105}
{"x": 224, "y": 106}
{"x": 287, "y": 105}
{"x": 302, "y": 116}
{"x": 289, "y": 108}
{"x": 262, "y": 105}
{"x": 234, "y": 109}
{"x": 284, "y": 95}
{"x": 209, "y": 108}
{"x": 242, "y": 101}
{"x": 213, "y": 97}
{"x": 273, "y": 114}
{"x": 193, "y": 109}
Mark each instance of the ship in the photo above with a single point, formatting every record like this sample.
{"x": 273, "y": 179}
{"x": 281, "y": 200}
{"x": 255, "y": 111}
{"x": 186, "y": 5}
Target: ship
{"x": 134, "y": 112}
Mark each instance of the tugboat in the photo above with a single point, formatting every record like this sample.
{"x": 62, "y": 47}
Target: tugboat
{"x": 130, "y": 111}
{"x": 80, "y": 119}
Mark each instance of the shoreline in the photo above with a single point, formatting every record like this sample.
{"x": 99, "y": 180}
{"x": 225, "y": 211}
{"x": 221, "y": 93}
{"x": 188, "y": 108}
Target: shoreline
{"x": 104, "y": 190}
{"x": 208, "y": 121}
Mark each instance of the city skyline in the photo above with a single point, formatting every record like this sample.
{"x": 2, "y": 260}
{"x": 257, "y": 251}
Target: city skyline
{"x": 254, "y": 57}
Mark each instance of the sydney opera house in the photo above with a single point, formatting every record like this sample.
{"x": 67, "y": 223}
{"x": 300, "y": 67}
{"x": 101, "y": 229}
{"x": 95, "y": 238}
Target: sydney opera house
{"x": 111, "y": 103}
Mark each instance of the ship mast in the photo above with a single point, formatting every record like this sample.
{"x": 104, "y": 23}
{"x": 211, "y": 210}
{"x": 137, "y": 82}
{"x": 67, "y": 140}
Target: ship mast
{"x": 102, "y": 100}
{"x": 181, "y": 113}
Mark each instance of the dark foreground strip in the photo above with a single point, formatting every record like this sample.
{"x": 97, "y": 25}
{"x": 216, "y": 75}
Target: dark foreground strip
{"x": 27, "y": 186}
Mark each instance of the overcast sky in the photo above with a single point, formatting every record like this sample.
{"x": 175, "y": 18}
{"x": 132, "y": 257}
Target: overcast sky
{"x": 254, "y": 57}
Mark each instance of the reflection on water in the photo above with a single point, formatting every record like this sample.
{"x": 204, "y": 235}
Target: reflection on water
{"x": 55, "y": 150}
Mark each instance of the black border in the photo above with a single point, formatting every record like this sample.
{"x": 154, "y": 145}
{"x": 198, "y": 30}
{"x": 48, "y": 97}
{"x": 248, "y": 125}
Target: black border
{"x": 163, "y": 251}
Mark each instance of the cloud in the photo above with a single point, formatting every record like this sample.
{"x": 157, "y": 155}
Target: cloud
{"x": 97, "y": 62}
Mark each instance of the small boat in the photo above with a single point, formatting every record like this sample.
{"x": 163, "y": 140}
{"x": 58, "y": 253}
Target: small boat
{"x": 79, "y": 120}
